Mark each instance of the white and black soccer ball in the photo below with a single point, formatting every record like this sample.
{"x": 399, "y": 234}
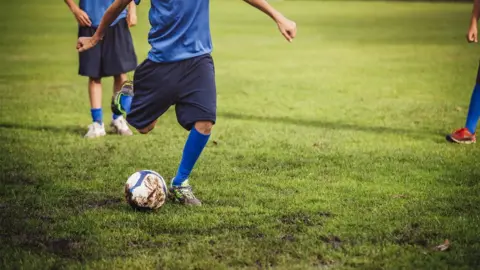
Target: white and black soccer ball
{"x": 146, "y": 190}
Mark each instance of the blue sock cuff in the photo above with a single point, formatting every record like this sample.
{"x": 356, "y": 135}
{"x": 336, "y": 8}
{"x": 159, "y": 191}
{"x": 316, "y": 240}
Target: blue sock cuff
{"x": 97, "y": 115}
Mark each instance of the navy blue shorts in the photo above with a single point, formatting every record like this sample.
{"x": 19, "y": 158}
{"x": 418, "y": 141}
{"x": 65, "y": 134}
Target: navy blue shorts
{"x": 114, "y": 55}
{"x": 188, "y": 84}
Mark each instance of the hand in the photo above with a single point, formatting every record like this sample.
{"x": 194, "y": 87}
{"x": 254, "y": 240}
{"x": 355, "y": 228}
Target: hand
{"x": 472, "y": 35}
{"x": 82, "y": 18}
{"x": 85, "y": 43}
{"x": 131, "y": 19}
{"x": 287, "y": 28}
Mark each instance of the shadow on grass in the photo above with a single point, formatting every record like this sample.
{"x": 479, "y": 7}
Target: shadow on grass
{"x": 418, "y": 133}
{"x": 77, "y": 130}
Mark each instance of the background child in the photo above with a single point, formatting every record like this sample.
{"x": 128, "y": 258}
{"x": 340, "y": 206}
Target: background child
{"x": 113, "y": 56}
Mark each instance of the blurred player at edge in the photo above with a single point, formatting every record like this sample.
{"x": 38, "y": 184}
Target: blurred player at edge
{"x": 178, "y": 71}
{"x": 466, "y": 135}
{"x": 114, "y": 56}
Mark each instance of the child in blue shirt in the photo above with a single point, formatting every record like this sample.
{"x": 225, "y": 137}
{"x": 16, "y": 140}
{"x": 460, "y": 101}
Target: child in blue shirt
{"x": 114, "y": 56}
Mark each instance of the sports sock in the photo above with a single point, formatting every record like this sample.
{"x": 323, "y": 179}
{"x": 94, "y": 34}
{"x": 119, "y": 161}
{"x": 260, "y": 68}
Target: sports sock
{"x": 474, "y": 110}
{"x": 115, "y": 116}
{"x": 97, "y": 115}
{"x": 196, "y": 141}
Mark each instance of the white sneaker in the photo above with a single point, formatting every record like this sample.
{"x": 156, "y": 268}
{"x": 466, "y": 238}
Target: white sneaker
{"x": 120, "y": 126}
{"x": 95, "y": 130}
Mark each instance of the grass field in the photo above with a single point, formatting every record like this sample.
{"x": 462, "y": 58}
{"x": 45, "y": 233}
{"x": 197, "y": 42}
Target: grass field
{"x": 328, "y": 152}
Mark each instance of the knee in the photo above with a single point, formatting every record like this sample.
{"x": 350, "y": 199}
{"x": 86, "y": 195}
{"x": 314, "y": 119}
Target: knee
{"x": 204, "y": 127}
{"x": 145, "y": 130}
{"x": 95, "y": 80}
{"x": 148, "y": 128}
{"x": 120, "y": 78}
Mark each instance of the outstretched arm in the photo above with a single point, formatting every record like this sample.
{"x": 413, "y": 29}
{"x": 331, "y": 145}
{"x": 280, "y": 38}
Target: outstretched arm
{"x": 472, "y": 35}
{"x": 287, "y": 27}
{"x": 85, "y": 43}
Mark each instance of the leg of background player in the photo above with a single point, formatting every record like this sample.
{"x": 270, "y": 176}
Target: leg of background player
{"x": 96, "y": 129}
{"x": 473, "y": 110}
{"x": 119, "y": 125}
{"x": 466, "y": 135}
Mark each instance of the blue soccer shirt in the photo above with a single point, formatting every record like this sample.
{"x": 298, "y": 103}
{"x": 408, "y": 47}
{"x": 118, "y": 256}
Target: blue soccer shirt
{"x": 96, "y": 8}
{"x": 180, "y": 29}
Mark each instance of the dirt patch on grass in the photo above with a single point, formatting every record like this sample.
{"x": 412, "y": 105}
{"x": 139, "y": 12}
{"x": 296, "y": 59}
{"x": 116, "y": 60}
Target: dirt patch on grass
{"x": 15, "y": 178}
{"x": 65, "y": 247}
{"x": 325, "y": 214}
{"x": 412, "y": 234}
{"x": 295, "y": 218}
{"x": 254, "y": 234}
{"x": 28, "y": 227}
{"x": 308, "y": 219}
{"x": 80, "y": 201}
{"x": 333, "y": 240}
{"x": 288, "y": 238}
{"x": 104, "y": 203}
{"x": 323, "y": 262}
{"x": 148, "y": 244}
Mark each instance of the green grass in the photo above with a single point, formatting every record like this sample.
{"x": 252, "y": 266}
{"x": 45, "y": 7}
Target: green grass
{"x": 328, "y": 152}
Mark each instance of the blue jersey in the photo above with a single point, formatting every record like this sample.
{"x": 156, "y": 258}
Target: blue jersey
{"x": 96, "y": 8}
{"x": 180, "y": 29}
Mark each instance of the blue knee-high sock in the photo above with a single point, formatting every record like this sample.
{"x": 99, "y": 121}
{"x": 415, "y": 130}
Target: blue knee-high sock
{"x": 97, "y": 115}
{"x": 474, "y": 110}
{"x": 193, "y": 148}
{"x": 126, "y": 103}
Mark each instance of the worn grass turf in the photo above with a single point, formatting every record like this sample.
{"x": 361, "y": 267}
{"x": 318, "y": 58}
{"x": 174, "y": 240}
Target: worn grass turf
{"x": 328, "y": 152}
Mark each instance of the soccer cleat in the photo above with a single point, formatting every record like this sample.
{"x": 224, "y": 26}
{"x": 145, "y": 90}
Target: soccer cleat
{"x": 120, "y": 126}
{"x": 183, "y": 194}
{"x": 462, "y": 135}
{"x": 95, "y": 130}
{"x": 125, "y": 91}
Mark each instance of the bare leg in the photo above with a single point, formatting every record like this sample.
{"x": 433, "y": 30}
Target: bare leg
{"x": 118, "y": 80}
{"x": 95, "y": 92}
{"x": 96, "y": 129}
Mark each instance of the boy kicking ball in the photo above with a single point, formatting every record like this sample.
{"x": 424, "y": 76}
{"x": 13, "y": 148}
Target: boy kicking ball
{"x": 114, "y": 56}
{"x": 178, "y": 71}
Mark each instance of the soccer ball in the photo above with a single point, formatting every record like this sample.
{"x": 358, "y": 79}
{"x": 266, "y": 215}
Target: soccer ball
{"x": 146, "y": 190}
